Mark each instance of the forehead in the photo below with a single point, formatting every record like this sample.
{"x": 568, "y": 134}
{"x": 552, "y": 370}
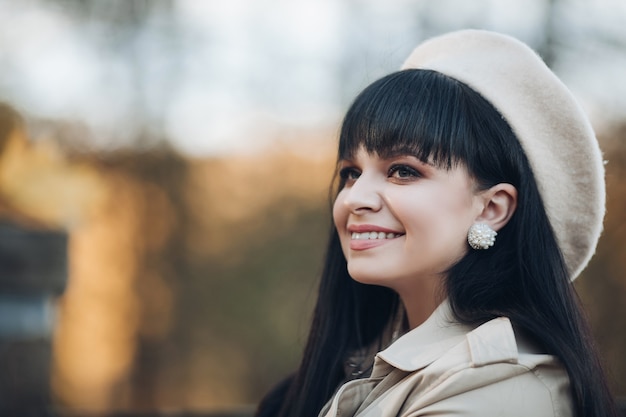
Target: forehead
{"x": 361, "y": 153}
{"x": 363, "y": 157}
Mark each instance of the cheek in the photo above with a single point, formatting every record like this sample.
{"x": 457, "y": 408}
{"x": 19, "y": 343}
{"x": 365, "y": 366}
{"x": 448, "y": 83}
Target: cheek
{"x": 340, "y": 218}
{"x": 339, "y": 212}
{"x": 436, "y": 215}
{"x": 454, "y": 218}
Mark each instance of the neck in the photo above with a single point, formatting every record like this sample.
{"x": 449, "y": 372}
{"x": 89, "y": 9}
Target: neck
{"x": 420, "y": 301}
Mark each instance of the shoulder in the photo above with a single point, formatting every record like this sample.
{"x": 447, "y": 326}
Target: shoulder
{"x": 520, "y": 396}
{"x": 493, "y": 372}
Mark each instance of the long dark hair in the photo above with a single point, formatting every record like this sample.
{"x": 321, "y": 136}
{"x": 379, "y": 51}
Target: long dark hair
{"x": 523, "y": 277}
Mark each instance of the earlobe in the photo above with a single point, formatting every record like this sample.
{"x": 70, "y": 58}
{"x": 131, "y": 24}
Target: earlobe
{"x": 499, "y": 204}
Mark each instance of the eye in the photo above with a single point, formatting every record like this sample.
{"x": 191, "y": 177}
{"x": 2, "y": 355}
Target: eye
{"x": 349, "y": 174}
{"x": 403, "y": 172}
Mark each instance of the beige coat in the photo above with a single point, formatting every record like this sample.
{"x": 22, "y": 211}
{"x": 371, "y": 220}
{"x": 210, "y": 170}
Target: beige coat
{"x": 443, "y": 368}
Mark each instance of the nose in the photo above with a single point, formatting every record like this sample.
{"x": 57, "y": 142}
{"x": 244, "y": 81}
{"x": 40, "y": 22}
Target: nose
{"x": 363, "y": 195}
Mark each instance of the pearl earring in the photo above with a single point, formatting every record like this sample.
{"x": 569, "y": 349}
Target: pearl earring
{"x": 481, "y": 236}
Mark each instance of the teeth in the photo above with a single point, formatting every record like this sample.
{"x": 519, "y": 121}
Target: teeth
{"x": 373, "y": 235}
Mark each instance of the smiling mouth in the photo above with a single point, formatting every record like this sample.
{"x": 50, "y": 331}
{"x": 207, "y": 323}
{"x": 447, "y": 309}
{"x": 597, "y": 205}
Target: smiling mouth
{"x": 374, "y": 235}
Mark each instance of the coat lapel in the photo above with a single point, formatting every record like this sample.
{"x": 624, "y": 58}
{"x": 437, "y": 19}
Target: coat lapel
{"x": 424, "y": 344}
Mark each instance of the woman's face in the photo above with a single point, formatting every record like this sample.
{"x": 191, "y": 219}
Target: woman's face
{"x": 401, "y": 220}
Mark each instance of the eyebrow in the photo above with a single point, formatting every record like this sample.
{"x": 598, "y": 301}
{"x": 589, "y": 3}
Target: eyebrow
{"x": 391, "y": 156}
{"x": 401, "y": 154}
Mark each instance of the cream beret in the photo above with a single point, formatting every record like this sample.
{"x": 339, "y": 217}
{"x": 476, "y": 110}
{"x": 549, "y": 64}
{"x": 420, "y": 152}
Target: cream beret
{"x": 546, "y": 118}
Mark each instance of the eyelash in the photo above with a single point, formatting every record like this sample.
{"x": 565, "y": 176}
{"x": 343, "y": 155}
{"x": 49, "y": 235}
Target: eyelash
{"x": 345, "y": 173}
{"x": 412, "y": 172}
{"x": 352, "y": 174}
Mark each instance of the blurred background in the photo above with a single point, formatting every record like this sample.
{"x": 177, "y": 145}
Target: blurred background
{"x": 164, "y": 167}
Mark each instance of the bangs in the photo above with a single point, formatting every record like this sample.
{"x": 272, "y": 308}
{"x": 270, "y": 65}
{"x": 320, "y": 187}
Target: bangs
{"x": 410, "y": 112}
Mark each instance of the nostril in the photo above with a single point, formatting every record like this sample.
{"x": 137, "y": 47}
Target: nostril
{"x": 359, "y": 202}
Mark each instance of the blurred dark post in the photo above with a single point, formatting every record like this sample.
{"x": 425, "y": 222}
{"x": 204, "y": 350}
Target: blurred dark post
{"x": 33, "y": 272}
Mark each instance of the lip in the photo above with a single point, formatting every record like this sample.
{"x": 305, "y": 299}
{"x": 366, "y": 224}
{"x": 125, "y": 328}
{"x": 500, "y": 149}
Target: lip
{"x": 360, "y": 245}
{"x": 362, "y": 228}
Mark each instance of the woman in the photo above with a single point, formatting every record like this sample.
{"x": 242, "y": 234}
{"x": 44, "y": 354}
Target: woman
{"x": 470, "y": 195}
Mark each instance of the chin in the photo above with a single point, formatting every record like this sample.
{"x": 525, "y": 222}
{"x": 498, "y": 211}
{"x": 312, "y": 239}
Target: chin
{"x": 369, "y": 278}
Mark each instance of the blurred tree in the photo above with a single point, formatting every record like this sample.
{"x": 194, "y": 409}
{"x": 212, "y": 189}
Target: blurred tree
{"x": 139, "y": 47}
{"x": 603, "y": 284}
{"x": 121, "y": 294}
{"x": 253, "y": 259}
{"x": 196, "y": 275}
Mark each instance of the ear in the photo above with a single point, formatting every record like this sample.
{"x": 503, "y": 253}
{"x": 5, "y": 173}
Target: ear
{"x": 499, "y": 204}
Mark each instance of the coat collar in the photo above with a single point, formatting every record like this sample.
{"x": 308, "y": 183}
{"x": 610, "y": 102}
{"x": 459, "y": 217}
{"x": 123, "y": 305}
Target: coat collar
{"x": 493, "y": 341}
